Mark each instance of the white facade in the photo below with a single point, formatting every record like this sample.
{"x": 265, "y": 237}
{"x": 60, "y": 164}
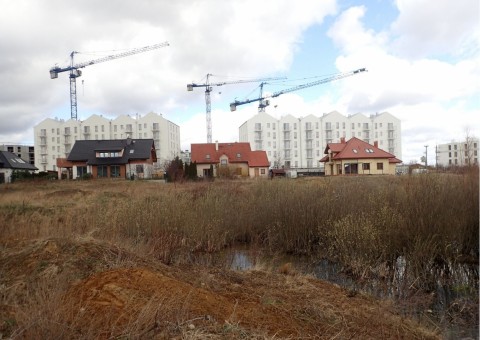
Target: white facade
{"x": 458, "y": 153}
{"x": 300, "y": 142}
{"x": 55, "y": 138}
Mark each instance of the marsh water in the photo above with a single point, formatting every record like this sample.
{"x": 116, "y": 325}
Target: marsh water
{"x": 443, "y": 308}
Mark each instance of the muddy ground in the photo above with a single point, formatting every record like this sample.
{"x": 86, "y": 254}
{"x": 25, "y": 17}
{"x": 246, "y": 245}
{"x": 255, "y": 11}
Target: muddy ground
{"x": 83, "y": 288}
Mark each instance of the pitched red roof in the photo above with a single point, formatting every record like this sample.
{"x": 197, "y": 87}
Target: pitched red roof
{"x": 258, "y": 159}
{"x": 356, "y": 148}
{"x": 206, "y": 153}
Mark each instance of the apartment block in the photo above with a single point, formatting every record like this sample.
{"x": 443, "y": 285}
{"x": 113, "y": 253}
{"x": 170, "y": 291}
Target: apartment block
{"x": 458, "y": 153}
{"x": 54, "y": 138}
{"x": 25, "y": 152}
{"x": 292, "y": 142}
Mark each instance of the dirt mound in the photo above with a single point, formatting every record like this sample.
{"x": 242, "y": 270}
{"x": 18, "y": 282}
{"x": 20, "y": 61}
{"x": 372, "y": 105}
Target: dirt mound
{"x": 61, "y": 288}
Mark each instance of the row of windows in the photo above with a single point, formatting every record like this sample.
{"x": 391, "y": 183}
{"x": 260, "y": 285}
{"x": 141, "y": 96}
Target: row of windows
{"x": 328, "y": 126}
{"x": 455, "y": 154}
{"x": 456, "y": 162}
{"x": 465, "y": 146}
{"x": 101, "y": 128}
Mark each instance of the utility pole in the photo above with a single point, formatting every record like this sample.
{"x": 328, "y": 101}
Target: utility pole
{"x": 426, "y": 156}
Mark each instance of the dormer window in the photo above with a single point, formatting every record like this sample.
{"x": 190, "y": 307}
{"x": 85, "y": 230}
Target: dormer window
{"x": 207, "y": 156}
{"x": 239, "y": 155}
{"x": 355, "y": 150}
{"x": 111, "y": 154}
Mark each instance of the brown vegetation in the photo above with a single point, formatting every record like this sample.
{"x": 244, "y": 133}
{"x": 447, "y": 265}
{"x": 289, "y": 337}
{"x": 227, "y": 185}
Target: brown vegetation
{"x": 78, "y": 255}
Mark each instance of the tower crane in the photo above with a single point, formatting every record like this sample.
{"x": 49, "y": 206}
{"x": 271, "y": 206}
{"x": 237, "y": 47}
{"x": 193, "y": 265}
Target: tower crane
{"x": 263, "y": 99}
{"x": 208, "y": 88}
{"x": 75, "y": 71}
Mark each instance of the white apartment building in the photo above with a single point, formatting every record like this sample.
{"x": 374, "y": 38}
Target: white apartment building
{"x": 458, "y": 153}
{"x": 54, "y": 138}
{"x": 300, "y": 142}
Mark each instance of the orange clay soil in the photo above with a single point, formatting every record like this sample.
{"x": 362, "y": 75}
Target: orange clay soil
{"x": 64, "y": 288}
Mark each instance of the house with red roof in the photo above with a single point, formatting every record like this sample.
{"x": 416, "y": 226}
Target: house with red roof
{"x": 235, "y": 158}
{"x": 356, "y": 157}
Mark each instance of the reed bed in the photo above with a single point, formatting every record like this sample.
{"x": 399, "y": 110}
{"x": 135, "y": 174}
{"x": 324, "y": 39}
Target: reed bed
{"x": 365, "y": 223}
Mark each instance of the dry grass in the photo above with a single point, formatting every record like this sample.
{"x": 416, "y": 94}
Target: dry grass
{"x": 366, "y": 224}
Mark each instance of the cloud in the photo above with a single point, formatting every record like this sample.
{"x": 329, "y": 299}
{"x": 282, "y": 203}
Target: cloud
{"x": 430, "y": 95}
{"x": 444, "y": 28}
{"x": 231, "y": 38}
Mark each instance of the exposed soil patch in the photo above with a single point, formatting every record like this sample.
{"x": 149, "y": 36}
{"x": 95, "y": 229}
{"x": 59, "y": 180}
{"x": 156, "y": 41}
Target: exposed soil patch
{"x": 86, "y": 289}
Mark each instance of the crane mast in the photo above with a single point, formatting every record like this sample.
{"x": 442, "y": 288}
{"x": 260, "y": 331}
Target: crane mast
{"x": 264, "y": 102}
{"x": 75, "y": 71}
{"x": 208, "y": 89}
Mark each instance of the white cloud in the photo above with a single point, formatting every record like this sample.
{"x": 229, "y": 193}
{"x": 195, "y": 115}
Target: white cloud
{"x": 232, "y": 38}
{"x": 429, "y": 95}
{"x": 444, "y": 27}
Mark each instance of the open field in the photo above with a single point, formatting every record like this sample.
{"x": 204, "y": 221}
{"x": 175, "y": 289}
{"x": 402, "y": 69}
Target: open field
{"x": 118, "y": 258}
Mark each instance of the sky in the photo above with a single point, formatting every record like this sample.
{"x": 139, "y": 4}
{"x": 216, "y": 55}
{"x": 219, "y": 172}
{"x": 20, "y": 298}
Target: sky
{"x": 422, "y": 57}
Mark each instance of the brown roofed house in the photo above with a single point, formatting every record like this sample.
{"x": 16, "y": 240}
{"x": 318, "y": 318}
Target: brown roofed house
{"x": 356, "y": 157}
{"x": 237, "y": 158}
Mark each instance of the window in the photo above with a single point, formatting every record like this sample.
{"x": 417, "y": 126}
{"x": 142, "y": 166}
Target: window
{"x": 81, "y": 171}
{"x": 366, "y": 166}
{"x": 102, "y": 171}
{"x": 379, "y": 166}
{"x": 268, "y": 125}
{"x": 337, "y": 125}
{"x": 239, "y": 155}
{"x": 114, "y": 170}
{"x": 207, "y": 156}
{"x": 139, "y": 169}
{"x": 223, "y": 162}
{"x": 262, "y": 171}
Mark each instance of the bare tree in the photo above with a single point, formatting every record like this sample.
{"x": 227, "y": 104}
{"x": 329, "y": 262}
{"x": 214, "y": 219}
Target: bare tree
{"x": 469, "y": 147}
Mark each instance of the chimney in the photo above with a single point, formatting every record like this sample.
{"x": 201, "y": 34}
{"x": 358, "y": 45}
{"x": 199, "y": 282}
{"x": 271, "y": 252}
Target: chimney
{"x": 216, "y": 145}
{"x": 375, "y": 144}
{"x": 342, "y": 140}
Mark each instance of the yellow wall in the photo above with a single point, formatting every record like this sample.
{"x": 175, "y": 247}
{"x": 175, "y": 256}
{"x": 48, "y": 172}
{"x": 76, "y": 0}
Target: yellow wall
{"x": 388, "y": 169}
